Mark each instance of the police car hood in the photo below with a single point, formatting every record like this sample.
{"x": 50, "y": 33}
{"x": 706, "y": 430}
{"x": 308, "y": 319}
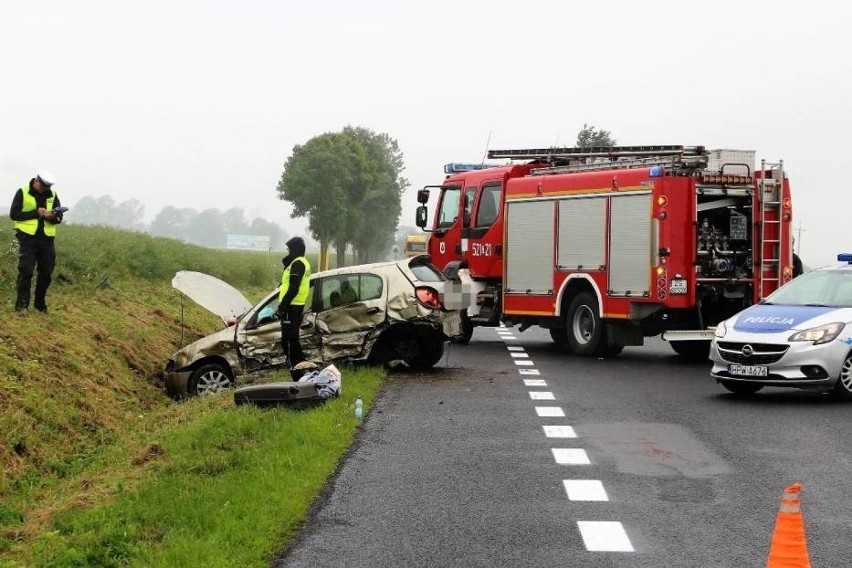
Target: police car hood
{"x": 211, "y": 293}
{"x": 772, "y": 318}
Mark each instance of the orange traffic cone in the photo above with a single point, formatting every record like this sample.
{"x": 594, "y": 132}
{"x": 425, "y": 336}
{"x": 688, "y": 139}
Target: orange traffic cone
{"x": 789, "y": 549}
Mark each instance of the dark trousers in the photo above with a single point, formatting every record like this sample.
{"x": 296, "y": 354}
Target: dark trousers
{"x": 290, "y": 334}
{"x": 35, "y": 252}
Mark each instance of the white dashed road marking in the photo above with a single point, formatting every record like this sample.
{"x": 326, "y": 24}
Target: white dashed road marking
{"x": 535, "y": 383}
{"x": 570, "y": 456}
{"x": 519, "y": 355}
{"x": 514, "y": 348}
{"x": 542, "y": 395}
{"x": 604, "y": 536}
{"x": 553, "y": 431}
{"x": 523, "y": 362}
{"x": 550, "y": 411}
{"x": 585, "y": 490}
{"x": 528, "y": 371}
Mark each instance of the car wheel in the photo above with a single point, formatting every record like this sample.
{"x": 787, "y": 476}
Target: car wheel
{"x": 741, "y": 388}
{"x": 463, "y": 338}
{"x": 208, "y": 379}
{"x": 586, "y": 333}
{"x": 422, "y": 353}
{"x": 692, "y": 350}
{"x": 843, "y": 387}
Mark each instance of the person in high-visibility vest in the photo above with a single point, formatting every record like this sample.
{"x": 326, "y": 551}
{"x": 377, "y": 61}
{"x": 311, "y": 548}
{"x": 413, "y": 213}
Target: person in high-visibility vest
{"x": 36, "y": 211}
{"x": 295, "y": 285}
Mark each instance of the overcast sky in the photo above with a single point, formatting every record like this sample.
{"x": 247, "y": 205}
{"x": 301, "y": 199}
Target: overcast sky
{"x": 199, "y": 103}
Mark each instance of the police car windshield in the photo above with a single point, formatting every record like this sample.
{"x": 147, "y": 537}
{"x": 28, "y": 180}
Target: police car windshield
{"x": 828, "y": 288}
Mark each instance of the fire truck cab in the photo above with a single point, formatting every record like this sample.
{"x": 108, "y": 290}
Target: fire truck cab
{"x": 606, "y": 246}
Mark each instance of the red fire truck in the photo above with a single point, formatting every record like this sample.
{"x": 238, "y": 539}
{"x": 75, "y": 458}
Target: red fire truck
{"x": 607, "y": 246}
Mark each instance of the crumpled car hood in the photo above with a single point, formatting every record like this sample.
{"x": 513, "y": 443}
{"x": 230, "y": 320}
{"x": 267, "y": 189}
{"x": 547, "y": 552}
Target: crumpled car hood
{"x": 211, "y": 293}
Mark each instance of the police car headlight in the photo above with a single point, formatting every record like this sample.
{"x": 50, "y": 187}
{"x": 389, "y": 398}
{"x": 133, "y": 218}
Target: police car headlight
{"x": 721, "y": 330}
{"x": 820, "y": 334}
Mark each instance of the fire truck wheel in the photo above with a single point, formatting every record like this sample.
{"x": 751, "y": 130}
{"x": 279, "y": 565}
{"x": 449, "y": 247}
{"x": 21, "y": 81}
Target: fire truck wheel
{"x": 692, "y": 350}
{"x": 586, "y": 333}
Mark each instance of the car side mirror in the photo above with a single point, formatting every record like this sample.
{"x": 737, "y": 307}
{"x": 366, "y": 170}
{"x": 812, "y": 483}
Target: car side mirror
{"x": 421, "y": 216}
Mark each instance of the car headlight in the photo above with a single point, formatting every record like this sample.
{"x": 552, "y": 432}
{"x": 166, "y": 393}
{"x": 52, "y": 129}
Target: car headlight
{"x": 820, "y": 334}
{"x": 721, "y": 330}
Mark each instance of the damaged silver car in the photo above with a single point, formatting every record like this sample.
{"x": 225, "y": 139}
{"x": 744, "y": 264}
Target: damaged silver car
{"x": 377, "y": 313}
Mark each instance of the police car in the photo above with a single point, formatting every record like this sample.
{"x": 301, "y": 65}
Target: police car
{"x": 800, "y": 336}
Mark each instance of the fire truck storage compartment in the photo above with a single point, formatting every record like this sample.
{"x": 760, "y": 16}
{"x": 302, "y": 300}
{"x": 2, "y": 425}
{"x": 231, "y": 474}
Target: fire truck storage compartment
{"x": 630, "y": 244}
{"x": 582, "y": 234}
{"x": 529, "y": 247}
{"x": 724, "y": 237}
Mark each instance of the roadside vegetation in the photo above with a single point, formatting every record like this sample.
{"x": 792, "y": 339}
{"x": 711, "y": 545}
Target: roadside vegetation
{"x": 98, "y": 467}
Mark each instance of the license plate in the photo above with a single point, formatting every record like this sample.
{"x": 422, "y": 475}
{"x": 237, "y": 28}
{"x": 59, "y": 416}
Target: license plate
{"x": 677, "y": 286}
{"x": 748, "y": 370}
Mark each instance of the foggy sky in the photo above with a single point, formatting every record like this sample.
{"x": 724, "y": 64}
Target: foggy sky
{"x": 199, "y": 104}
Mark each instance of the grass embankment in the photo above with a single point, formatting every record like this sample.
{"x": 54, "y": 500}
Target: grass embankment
{"x": 97, "y": 466}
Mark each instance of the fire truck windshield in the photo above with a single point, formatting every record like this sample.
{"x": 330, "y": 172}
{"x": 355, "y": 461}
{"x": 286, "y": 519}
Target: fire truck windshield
{"x": 449, "y": 208}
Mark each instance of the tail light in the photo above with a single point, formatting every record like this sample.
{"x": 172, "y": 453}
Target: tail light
{"x": 429, "y": 297}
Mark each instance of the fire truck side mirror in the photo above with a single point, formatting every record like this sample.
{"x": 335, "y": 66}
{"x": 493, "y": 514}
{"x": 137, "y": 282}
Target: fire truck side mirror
{"x": 420, "y": 217}
{"x": 423, "y": 196}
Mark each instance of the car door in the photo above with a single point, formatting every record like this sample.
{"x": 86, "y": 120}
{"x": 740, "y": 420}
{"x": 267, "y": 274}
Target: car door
{"x": 350, "y": 309}
{"x": 259, "y": 337}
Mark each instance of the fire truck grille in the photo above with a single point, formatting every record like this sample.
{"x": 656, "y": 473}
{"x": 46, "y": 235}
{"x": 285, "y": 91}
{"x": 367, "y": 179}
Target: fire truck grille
{"x": 760, "y": 353}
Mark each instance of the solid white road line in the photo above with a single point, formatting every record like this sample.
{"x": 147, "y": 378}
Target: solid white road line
{"x": 550, "y": 411}
{"x": 570, "y": 456}
{"x": 604, "y": 536}
{"x": 535, "y": 383}
{"x": 585, "y": 490}
{"x": 555, "y": 431}
{"x": 542, "y": 395}
{"x": 528, "y": 371}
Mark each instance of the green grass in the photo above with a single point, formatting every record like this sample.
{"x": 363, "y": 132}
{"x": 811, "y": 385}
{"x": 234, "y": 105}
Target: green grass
{"x": 98, "y": 467}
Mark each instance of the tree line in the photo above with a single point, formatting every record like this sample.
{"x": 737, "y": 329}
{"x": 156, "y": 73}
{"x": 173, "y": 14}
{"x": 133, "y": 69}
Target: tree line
{"x": 208, "y": 228}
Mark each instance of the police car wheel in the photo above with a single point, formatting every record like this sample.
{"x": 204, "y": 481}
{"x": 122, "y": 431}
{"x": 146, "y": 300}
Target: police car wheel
{"x": 843, "y": 387}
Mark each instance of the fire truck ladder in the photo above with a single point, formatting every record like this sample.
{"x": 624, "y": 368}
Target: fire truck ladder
{"x": 687, "y": 158}
{"x": 771, "y": 186}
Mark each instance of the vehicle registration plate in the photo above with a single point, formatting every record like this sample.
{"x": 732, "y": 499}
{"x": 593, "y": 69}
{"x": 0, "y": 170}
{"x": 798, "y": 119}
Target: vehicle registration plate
{"x": 748, "y": 370}
{"x": 677, "y": 286}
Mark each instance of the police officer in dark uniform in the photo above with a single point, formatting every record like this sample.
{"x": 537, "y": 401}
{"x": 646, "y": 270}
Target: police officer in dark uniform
{"x": 295, "y": 285}
{"x": 35, "y": 211}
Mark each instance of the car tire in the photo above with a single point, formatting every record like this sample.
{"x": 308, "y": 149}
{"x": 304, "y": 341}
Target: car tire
{"x": 429, "y": 353}
{"x": 463, "y": 338}
{"x": 208, "y": 379}
{"x": 843, "y": 386}
{"x": 585, "y": 329}
{"x": 692, "y": 350}
{"x": 740, "y": 388}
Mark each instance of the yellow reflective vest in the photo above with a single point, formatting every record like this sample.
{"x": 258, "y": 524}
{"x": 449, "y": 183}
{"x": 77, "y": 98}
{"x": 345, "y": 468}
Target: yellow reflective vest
{"x": 304, "y": 285}
{"x": 30, "y": 226}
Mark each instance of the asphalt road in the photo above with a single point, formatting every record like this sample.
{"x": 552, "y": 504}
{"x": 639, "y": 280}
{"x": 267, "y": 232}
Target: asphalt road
{"x": 652, "y": 465}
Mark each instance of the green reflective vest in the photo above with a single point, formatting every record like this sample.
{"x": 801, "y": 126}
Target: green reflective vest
{"x": 30, "y": 226}
{"x": 304, "y": 286}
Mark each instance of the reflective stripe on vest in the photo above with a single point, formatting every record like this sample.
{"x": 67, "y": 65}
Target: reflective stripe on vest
{"x": 30, "y": 226}
{"x": 304, "y": 285}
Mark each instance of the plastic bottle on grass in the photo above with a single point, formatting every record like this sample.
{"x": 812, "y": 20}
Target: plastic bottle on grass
{"x": 359, "y": 408}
